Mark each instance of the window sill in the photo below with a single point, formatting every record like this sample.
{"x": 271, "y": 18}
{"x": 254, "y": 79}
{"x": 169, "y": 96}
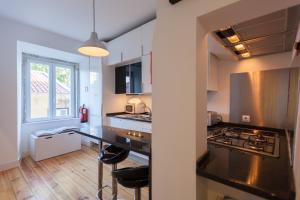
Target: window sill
{"x": 50, "y": 121}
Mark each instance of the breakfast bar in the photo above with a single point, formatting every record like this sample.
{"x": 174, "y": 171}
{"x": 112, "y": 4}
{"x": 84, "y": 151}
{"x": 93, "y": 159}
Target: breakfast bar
{"x": 138, "y": 142}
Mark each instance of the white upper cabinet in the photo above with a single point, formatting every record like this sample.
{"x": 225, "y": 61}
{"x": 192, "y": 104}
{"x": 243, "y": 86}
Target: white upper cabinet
{"x": 115, "y": 52}
{"x": 147, "y": 32}
{"x": 147, "y": 74}
{"x": 212, "y": 72}
{"x": 131, "y": 45}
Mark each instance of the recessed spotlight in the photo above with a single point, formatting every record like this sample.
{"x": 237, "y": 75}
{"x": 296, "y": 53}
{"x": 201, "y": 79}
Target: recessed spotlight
{"x": 245, "y": 55}
{"x": 239, "y": 47}
{"x": 233, "y": 39}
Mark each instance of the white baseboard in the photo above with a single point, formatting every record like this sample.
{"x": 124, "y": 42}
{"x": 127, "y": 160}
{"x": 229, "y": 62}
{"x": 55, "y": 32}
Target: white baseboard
{"x": 9, "y": 165}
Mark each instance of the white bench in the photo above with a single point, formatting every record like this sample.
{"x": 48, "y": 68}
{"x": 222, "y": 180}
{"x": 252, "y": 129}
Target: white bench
{"x": 43, "y": 147}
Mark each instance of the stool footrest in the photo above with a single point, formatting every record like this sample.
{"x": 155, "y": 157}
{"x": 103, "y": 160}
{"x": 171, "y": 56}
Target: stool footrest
{"x": 100, "y": 190}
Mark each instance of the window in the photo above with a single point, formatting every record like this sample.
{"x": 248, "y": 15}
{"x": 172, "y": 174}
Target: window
{"x": 50, "y": 89}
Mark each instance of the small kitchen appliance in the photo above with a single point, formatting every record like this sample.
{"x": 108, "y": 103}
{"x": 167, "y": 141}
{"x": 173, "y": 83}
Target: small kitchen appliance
{"x": 130, "y": 108}
{"x": 212, "y": 118}
{"x": 139, "y": 108}
{"x": 135, "y": 108}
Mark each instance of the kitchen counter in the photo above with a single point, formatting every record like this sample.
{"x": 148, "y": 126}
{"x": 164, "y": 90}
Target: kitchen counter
{"x": 267, "y": 177}
{"x": 127, "y": 139}
{"x": 136, "y": 117}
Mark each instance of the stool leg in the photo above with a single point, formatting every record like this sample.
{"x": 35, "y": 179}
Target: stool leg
{"x": 114, "y": 184}
{"x": 137, "y": 195}
{"x": 100, "y": 172}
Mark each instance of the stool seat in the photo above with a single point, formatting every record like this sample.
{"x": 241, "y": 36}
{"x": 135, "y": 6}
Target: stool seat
{"x": 133, "y": 177}
{"x": 113, "y": 154}
{"x": 134, "y": 183}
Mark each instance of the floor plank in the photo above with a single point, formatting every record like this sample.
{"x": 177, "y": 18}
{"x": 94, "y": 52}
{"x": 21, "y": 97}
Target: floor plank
{"x": 38, "y": 186}
{"x": 6, "y": 191}
{"x": 71, "y": 176}
{"x": 19, "y": 185}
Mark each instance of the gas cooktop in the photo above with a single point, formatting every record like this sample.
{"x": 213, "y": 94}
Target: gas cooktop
{"x": 251, "y": 140}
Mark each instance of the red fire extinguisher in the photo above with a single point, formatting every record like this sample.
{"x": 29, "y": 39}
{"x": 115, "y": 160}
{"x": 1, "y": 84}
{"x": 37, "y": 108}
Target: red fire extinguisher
{"x": 83, "y": 114}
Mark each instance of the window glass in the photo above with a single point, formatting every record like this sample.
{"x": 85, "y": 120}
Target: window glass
{"x": 63, "y": 91}
{"x": 39, "y": 90}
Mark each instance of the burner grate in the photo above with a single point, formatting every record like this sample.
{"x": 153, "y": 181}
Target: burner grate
{"x": 251, "y": 140}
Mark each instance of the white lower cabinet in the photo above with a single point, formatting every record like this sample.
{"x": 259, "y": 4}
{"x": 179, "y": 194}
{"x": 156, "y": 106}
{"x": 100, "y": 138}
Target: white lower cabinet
{"x": 130, "y": 124}
{"x": 54, "y": 145}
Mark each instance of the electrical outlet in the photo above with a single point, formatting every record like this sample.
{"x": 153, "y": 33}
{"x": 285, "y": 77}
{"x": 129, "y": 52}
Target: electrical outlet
{"x": 246, "y": 118}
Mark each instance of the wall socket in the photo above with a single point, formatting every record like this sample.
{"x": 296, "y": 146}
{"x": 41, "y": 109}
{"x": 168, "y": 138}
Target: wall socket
{"x": 246, "y": 118}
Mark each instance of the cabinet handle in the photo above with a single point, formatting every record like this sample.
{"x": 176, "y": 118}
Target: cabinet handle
{"x": 142, "y": 49}
{"x": 121, "y": 56}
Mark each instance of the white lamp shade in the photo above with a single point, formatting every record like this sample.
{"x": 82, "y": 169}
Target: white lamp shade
{"x": 94, "y": 47}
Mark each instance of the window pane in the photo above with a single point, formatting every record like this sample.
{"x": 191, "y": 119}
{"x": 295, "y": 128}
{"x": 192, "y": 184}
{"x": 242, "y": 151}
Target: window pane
{"x": 39, "y": 86}
{"x": 63, "y": 91}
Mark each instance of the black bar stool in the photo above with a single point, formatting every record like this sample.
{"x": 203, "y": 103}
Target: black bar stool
{"x": 113, "y": 155}
{"x": 133, "y": 177}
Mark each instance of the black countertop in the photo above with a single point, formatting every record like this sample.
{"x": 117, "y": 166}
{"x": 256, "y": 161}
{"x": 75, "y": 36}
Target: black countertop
{"x": 123, "y": 115}
{"x": 139, "y": 142}
{"x": 268, "y": 177}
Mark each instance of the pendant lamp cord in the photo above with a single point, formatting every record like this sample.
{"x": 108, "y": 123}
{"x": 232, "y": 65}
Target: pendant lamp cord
{"x": 94, "y": 15}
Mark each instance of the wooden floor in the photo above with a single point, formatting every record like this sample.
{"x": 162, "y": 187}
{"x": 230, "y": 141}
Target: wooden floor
{"x": 67, "y": 177}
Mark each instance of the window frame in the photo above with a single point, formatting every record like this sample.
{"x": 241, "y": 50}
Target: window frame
{"x": 53, "y": 64}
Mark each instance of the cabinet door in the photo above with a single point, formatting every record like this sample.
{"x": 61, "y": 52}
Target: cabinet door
{"x": 130, "y": 124}
{"x": 120, "y": 80}
{"x": 147, "y": 32}
{"x": 131, "y": 45}
{"x": 212, "y": 72}
{"x": 114, "y": 48}
{"x": 135, "y": 78}
{"x": 147, "y": 73}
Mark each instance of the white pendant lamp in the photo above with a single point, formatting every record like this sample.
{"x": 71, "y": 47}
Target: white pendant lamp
{"x": 93, "y": 46}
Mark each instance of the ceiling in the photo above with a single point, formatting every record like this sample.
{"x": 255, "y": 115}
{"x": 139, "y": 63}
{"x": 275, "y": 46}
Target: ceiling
{"x": 269, "y": 34}
{"x": 73, "y": 18}
{"x": 219, "y": 50}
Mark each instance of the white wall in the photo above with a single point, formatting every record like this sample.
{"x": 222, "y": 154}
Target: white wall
{"x": 297, "y": 155}
{"x": 296, "y": 63}
{"x": 178, "y": 93}
{"x": 10, "y": 123}
{"x": 220, "y": 101}
{"x": 296, "y": 58}
{"x": 179, "y": 87}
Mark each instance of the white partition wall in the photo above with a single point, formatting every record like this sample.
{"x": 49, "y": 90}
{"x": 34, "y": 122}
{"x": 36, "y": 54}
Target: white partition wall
{"x": 179, "y": 101}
